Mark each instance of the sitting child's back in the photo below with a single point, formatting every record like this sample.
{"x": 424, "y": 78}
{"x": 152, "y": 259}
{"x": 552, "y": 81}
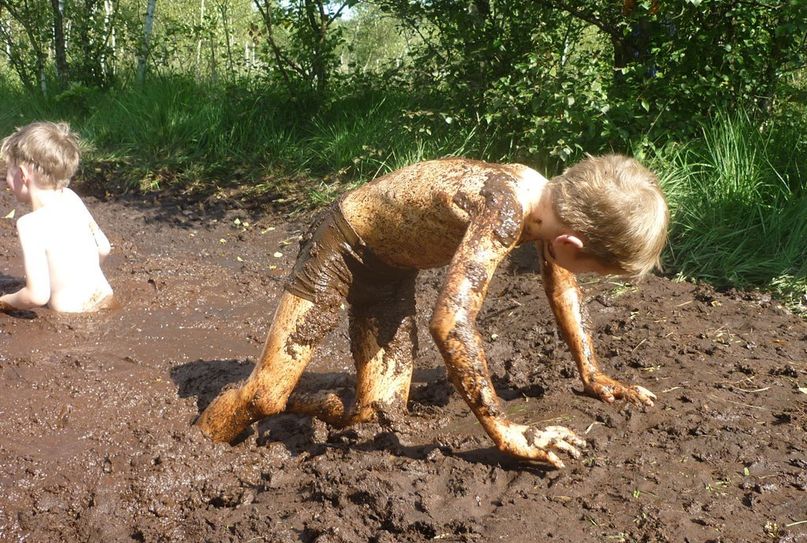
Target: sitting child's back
{"x": 77, "y": 282}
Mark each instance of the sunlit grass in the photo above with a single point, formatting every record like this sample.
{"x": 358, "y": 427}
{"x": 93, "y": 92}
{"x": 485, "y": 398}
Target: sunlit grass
{"x": 737, "y": 194}
{"x": 737, "y": 218}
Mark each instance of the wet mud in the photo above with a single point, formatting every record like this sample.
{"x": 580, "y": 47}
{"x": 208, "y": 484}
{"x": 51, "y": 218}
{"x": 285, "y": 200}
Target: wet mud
{"x": 96, "y": 411}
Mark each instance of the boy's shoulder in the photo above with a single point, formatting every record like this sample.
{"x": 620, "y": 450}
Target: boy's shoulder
{"x": 72, "y": 197}
{"x": 71, "y": 204}
{"x": 524, "y": 173}
{"x": 32, "y": 226}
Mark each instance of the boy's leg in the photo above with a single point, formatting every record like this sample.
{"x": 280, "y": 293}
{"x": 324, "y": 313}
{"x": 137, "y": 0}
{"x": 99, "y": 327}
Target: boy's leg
{"x": 297, "y": 327}
{"x": 383, "y": 337}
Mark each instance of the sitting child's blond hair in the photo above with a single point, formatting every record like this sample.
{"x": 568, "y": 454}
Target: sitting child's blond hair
{"x": 51, "y": 149}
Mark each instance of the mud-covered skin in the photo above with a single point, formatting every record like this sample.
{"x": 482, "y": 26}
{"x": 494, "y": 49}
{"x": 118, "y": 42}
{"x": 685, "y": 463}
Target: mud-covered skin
{"x": 565, "y": 298}
{"x": 333, "y": 266}
{"x": 417, "y": 217}
{"x": 272, "y": 380}
{"x": 463, "y": 213}
{"x": 492, "y": 233}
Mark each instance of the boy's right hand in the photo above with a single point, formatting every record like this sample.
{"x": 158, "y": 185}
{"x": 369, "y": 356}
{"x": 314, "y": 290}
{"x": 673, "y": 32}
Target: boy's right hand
{"x": 532, "y": 444}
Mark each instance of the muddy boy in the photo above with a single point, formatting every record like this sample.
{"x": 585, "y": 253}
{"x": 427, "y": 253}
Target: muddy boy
{"x": 605, "y": 215}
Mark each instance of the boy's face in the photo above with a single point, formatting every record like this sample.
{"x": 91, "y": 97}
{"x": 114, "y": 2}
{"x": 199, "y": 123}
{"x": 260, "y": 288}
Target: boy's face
{"x": 16, "y": 181}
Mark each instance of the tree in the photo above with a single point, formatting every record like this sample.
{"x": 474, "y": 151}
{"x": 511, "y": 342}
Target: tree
{"x": 148, "y": 25}
{"x": 59, "y": 48}
{"x": 302, "y": 38}
{"x": 93, "y": 40}
{"x": 26, "y": 39}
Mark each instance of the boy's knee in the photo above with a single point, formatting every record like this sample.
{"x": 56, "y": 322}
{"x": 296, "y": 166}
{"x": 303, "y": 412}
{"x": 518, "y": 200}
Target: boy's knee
{"x": 264, "y": 404}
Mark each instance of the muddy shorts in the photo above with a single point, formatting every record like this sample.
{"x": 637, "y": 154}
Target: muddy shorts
{"x": 335, "y": 262}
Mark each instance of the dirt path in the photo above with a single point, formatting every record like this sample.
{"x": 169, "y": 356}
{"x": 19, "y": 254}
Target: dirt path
{"x": 96, "y": 442}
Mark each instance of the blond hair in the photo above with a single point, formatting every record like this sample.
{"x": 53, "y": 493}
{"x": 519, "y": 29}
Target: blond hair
{"x": 51, "y": 149}
{"x": 616, "y": 205}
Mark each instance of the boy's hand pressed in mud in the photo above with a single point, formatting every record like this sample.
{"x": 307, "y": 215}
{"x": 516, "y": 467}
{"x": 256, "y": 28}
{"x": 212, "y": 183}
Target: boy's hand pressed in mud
{"x": 533, "y": 444}
{"x": 607, "y": 389}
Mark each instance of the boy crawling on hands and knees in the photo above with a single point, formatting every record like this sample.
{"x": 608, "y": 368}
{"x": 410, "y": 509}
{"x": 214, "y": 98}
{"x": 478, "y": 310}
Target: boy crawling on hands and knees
{"x": 62, "y": 246}
{"x": 605, "y": 215}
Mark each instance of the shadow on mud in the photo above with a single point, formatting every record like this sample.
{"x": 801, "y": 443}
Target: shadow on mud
{"x": 301, "y": 434}
{"x": 12, "y": 284}
{"x": 204, "y": 379}
{"x": 192, "y": 210}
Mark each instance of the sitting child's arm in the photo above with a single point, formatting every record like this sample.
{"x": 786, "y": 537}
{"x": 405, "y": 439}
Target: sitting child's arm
{"x": 36, "y": 291}
{"x": 101, "y": 241}
{"x": 566, "y": 302}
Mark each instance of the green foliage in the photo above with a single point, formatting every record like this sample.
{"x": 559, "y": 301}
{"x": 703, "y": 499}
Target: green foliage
{"x": 686, "y": 60}
{"x": 302, "y": 38}
{"x": 262, "y": 96}
{"x": 551, "y": 78}
{"x": 737, "y": 220}
{"x": 374, "y": 44}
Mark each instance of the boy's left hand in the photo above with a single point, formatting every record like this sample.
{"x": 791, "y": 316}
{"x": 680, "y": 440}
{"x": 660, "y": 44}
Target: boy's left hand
{"x": 607, "y": 389}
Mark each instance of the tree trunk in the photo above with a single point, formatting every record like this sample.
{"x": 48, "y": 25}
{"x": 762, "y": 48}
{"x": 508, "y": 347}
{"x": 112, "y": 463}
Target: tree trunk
{"x": 59, "y": 48}
{"x": 110, "y": 41}
{"x": 199, "y": 43}
{"x": 225, "y": 21}
{"x": 144, "y": 50}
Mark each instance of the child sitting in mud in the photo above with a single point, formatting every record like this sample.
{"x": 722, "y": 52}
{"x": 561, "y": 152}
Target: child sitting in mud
{"x": 62, "y": 246}
{"x": 605, "y": 215}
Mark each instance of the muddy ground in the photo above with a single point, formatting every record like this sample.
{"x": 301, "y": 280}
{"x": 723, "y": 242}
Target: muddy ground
{"x": 96, "y": 411}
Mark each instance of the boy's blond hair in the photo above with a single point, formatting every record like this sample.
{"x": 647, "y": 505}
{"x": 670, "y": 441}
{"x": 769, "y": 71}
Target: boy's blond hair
{"x": 51, "y": 149}
{"x": 616, "y": 206}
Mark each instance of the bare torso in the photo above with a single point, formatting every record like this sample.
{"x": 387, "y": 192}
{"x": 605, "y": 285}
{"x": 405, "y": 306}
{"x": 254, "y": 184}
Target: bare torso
{"x": 416, "y": 217}
{"x": 67, "y": 233}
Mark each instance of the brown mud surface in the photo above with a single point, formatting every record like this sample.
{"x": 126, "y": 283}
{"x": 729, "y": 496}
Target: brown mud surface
{"x": 96, "y": 411}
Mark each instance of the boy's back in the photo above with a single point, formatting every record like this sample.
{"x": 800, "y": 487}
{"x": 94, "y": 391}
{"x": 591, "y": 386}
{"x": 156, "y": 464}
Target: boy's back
{"x": 417, "y": 216}
{"x": 62, "y": 246}
{"x": 65, "y": 234}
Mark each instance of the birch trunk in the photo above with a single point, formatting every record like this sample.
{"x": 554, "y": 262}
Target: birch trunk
{"x": 144, "y": 50}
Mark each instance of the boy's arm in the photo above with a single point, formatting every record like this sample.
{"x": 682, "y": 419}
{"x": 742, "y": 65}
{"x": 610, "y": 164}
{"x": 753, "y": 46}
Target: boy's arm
{"x": 565, "y": 299}
{"x": 490, "y": 236}
{"x": 101, "y": 241}
{"x": 36, "y": 291}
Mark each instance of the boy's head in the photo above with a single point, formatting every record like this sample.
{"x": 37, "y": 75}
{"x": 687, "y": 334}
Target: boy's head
{"x": 47, "y": 152}
{"x": 615, "y": 205}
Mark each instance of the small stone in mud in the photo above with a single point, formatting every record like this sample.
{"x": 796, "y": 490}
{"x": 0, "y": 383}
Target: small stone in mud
{"x": 435, "y": 455}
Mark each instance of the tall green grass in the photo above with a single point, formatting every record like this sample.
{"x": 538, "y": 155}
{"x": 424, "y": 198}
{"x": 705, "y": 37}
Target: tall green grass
{"x": 739, "y": 214}
{"x": 175, "y": 132}
{"x": 737, "y": 194}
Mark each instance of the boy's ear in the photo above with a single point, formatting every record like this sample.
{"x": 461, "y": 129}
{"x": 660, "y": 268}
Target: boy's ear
{"x": 27, "y": 171}
{"x": 570, "y": 240}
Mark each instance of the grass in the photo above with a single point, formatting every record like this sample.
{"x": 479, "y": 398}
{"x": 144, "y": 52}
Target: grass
{"x": 738, "y": 218}
{"x": 178, "y": 133}
{"x": 737, "y": 194}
